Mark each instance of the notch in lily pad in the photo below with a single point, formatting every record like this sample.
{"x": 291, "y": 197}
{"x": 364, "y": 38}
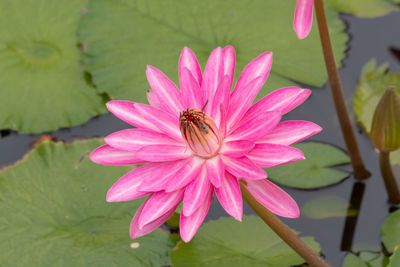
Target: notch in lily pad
{"x": 316, "y": 170}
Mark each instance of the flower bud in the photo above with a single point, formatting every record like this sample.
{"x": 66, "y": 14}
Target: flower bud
{"x": 385, "y": 130}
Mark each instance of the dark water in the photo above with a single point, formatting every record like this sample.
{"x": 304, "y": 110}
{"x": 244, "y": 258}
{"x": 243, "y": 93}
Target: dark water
{"x": 370, "y": 38}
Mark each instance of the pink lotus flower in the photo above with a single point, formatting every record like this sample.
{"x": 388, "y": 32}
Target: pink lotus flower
{"x": 303, "y": 18}
{"x": 202, "y": 139}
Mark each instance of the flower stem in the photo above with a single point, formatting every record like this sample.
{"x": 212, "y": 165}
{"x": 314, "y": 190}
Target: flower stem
{"x": 298, "y": 245}
{"x": 388, "y": 178}
{"x": 337, "y": 92}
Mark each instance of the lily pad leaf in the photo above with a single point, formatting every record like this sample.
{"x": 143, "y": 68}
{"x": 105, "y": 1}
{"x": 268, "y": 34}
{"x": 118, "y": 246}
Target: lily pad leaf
{"x": 56, "y": 213}
{"x": 226, "y": 242}
{"x": 390, "y": 231}
{"x": 352, "y": 260}
{"x": 315, "y": 171}
{"x": 328, "y": 207}
{"x": 395, "y": 258}
{"x": 366, "y": 259}
{"x": 123, "y": 36}
{"x": 364, "y": 8}
{"x": 372, "y": 84}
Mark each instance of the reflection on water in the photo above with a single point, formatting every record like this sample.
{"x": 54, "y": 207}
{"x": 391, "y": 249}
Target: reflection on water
{"x": 371, "y": 38}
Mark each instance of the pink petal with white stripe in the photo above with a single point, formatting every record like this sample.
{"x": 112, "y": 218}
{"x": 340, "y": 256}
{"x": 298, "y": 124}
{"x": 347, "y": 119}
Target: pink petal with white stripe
{"x": 191, "y": 92}
{"x": 157, "y": 205}
{"x": 213, "y": 73}
{"x": 236, "y": 149}
{"x": 215, "y": 170}
{"x": 108, "y": 155}
{"x": 165, "y": 90}
{"x": 185, "y": 175}
{"x": 257, "y": 127}
{"x": 282, "y": 100}
{"x": 165, "y": 173}
{"x": 243, "y": 168}
{"x": 230, "y": 196}
{"x": 188, "y": 225}
{"x": 135, "y": 231}
{"x": 247, "y": 87}
{"x": 157, "y": 153}
{"x": 273, "y": 198}
{"x": 271, "y": 155}
{"x": 221, "y": 97}
{"x": 229, "y": 63}
{"x": 126, "y": 111}
{"x": 134, "y": 139}
{"x": 153, "y": 100}
{"x": 164, "y": 122}
{"x": 188, "y": 61}
{"x": 196, "y": 193}
{"x": 303, "y": 18}
{"x": 291, "y": 132}
{"x": 126, "y": 188}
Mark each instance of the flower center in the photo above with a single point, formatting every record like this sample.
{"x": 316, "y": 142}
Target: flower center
{"x": 200, "y": 132}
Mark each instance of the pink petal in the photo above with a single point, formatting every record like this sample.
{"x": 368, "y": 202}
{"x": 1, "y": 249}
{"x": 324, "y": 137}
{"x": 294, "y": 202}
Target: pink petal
{"x": 229, "y": 63}
{"x": 270, "y": 155}
{"x": 221, "y": 97}
{"x": 134, "y": 139}
{"x": 257, "y": 127}
{"x": 189, "y": 225}
{"x": 153, "y": 100}
{"x": 157, "y": 205}
{"x": 158, "y": 182}
{"x": 135, "y": 231}
{"x": 291, "y": 132}
{"x": 126, "y": 111}
{"x": 108, "y": 155}
{"x": 215, "y": 170}
{"x": 273, "y": 198}
{"x": 126, "y": 188}
{"x": 230, "y": 197}
{"x": 165, "y": 90}
{"x": 191, "y": 92}
{"x": 282, "y": 100}
{"x": 236, "y": 149}
{"x": 247, "y": 87}
{"x": 303, "y": 18}
{"x": 243, "y": 168}
{"x": 185, "y": 175}
{"x": 213, "y": 73}
{"x": 196, "y": 193}
{"x": 189, "y": 61}
{"x": 157, "y": 153}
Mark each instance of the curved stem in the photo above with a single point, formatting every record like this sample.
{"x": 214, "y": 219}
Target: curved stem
{"x": 287, "y": 235}
{"x": 388, "y": 178}
{"x": 337, "y": 92}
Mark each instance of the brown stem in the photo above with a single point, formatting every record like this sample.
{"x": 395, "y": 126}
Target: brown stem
{"x": 337, "y": 92}
{"x": 388, "y": 178}
{"x": 312, "y": 258}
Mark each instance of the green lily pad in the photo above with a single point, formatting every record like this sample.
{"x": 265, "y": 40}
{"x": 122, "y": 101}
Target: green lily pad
{"x": 364, "y": 8}
{"x": 395, "y": 258}
{"x": 390, "y": 231}
{"x": 366, "y": 259}
{"x": 372, "y": 84}
{"x": 314, "y": 171}
{"x": 352, "y": 260}
{"x": 42, "y": 85}
{"x": 54, "y": 213}
{"x": 123, "y": 36}
{"x": 226, "y": 242}
{"x": 327, "y": 207}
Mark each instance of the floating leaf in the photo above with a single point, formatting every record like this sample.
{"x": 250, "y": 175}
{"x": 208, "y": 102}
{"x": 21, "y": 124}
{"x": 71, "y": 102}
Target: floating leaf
{"x": 352, "y": 260}
{"x": 327, "y": 207}
{"x": 123, "y": 36}
{"x": 372, "y": 85}
{"x": 314, "y": 171}
{"x": 226, "y": 242}
{"x": 374, "y": 259}
{"x": 364, "y": 8}
{"x": 42, "y": 86}
{"x": 54, "y": 213}
{"x": 395, "y": 258}
{"x": 390, "y": 231}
